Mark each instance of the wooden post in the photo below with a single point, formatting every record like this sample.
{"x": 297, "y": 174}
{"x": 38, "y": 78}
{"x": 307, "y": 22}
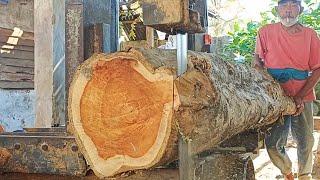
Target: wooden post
{"x": 103, "y": 12}
{"x": 150, "y": 36}
{"x": 49, "y": 38}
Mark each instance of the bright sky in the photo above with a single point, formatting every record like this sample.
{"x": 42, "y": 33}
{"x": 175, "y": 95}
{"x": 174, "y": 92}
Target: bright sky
{"x": 249, "y": 9}
{"x": 253, "y": 8}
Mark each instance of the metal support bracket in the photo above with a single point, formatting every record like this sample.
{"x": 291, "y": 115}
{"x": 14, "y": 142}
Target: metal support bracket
{"x": 42, "y": 152}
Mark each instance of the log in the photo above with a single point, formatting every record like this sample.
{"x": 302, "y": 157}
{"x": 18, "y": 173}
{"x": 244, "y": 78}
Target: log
{"x": 127, "y": 109}
{"x": 2, "y": 129}
{"x": 5, "y": 155}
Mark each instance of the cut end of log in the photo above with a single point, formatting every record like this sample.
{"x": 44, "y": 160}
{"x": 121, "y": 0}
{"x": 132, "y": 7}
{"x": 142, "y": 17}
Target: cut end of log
{"x": 122, "y": 113}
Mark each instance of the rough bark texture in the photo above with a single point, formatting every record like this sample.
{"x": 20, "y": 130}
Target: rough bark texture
{"x": 211, "y": 102}
{"x": 1, "y": 129}
{"x": 4, "y": 156}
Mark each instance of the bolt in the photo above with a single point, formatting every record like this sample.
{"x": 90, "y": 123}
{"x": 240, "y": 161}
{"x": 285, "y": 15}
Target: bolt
{"x": 17, "y": 146}
{"x": 74, "y": 148}
{"x": 44, "y": 147}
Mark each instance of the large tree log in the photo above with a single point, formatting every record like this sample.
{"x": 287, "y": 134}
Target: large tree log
{"x": 127, "y": 108}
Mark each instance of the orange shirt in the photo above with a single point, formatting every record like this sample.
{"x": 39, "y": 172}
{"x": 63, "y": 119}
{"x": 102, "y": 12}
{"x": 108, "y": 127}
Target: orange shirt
{"x": 280, "y": 50}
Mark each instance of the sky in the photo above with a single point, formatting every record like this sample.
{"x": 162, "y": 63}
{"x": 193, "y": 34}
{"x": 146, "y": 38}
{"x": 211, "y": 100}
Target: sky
{"x": 253, "y": 8}
{"x": 246, "y": 9}
{"x": 241, "y": 11}
{"x": 250, "y": 9}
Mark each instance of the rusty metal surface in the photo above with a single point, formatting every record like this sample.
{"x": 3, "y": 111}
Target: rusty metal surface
{"x": 74, "y": 41}
{"x": 40, "y": 153}
{"x": 53, "y": 129}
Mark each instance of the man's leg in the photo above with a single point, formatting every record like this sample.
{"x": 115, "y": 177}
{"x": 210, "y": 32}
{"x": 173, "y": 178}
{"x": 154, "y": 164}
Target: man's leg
{"x": 276, "y": 142}
{"x": 302, "y": 131}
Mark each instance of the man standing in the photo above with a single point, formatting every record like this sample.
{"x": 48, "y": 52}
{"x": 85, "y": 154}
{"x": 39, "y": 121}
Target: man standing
{"x": 291, "y": 54}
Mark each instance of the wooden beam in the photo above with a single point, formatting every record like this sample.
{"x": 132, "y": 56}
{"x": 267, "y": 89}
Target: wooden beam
{"x": 15, "y": 77}
{"x": 6, "y": 46}
{"x": 17, "y": 54}
{"x": 150, "y": 36}
{"x": 316, "y": 123}
{"x": 10, "y": 33}
{"x": 49, "y": 38}
{"x": 16, "y": 69}
{"x": 16, "y": 41}
{"x": 16, "y": 85}
{"x": 17, "y": 62}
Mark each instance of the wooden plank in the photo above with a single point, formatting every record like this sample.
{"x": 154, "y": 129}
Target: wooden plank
{"x": 16, "y": 85}
{"x": 161, "y": 12}
{"x": 316, "y": 123}
{"x": 16, "y": 69}
{"x": 23, "y": 42}
{"x": 49, "y": 62}
{"x": 6, "y": 46}
{"x": 17, "y": 54}
{"x": 150, "y": 36}
{"x": 16, "y": 77}
{"x": 17, "y": 62}
{"x": 9, "y": 32}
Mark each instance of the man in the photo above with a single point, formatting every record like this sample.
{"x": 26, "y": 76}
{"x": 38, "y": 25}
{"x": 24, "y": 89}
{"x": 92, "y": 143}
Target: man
{"x": 291, "y": 54}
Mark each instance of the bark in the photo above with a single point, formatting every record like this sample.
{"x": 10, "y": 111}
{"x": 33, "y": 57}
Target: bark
{"x": 4, "y": 157}
{"x": 128, "y": 108}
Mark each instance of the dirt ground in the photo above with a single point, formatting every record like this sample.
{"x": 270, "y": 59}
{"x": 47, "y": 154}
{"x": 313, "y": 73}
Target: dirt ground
{"x": 264, "y": 169}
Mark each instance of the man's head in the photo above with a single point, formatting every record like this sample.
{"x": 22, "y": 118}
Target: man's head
{"x": 289, "y": 11}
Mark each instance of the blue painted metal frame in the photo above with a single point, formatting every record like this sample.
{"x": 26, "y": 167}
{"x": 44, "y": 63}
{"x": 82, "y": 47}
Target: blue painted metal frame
{"x": 105, "y": 12}
{"x": 4, "y": 2}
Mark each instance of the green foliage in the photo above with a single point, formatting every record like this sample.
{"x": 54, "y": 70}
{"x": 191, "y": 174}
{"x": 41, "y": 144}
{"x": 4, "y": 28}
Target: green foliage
{"x": 312, "y": 19}
{"x": 243, "y": 40}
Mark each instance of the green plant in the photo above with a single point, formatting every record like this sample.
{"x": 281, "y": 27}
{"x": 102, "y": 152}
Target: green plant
{"x": 312, "y": 18}
{"x": 243, "y": 41}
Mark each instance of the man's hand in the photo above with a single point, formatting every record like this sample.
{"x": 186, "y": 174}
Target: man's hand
{"x": 257, "y": 63}
{"x": 299, "y": 104}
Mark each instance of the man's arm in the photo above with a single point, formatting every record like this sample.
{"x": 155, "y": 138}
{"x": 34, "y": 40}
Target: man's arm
{"x": 309, "y": 86}
{"x": 257, "y": 62}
